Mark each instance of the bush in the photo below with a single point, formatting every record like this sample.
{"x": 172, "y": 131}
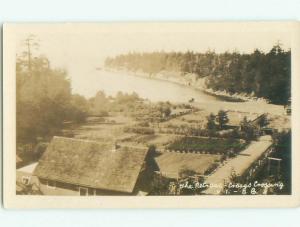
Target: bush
{"x": 139, "y": 130}
{"x": 211, "y": 145}
{"x": 211, "y": 168}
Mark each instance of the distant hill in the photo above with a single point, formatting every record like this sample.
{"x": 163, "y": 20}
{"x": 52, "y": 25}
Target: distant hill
{"x": 266, "y": 75}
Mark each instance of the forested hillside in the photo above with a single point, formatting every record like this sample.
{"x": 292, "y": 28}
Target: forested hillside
{"x": 261, "y": 74}
{"x": 44, "y": 99}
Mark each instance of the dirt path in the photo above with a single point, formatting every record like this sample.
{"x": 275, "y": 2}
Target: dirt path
{"x": 239, "y": 164}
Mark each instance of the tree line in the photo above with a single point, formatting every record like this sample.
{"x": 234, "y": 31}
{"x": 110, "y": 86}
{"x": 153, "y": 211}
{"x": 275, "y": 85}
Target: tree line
{"x": 44, "y": 100}
{"x": 45, "y": 103}
{"x": 266, "y": 75}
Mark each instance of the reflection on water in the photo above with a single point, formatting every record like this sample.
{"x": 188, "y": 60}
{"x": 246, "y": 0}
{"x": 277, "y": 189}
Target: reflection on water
{"x": 154, "y": 90}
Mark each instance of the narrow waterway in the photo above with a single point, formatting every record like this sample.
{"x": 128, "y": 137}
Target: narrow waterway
{"x": 154, "y": 90}
{"x": 158, "y": 90}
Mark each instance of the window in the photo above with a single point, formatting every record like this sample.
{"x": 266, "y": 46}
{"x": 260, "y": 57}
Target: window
{"x": 83, "y": 191}
{"x": 92, "y": 191}
{"x": 86, "y": 191}
{"x": 26, "y": 180}
{"x": 51, "y": 184}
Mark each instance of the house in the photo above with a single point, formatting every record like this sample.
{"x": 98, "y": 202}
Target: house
{"x": 80, "y": 167}
{"x": 25, "y": 179}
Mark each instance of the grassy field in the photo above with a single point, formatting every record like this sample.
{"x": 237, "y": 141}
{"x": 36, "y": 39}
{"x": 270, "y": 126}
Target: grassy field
{"x": 192, "y": 120}
{"x": 104, "y": 129}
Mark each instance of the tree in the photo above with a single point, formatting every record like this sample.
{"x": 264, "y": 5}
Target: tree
{"x": 282, "y": 145}
{"x": 44, "y": 99}
{"x": 222, "y": 118}
{"x": 164, "y": 109}
{"x": 260, "y": 74}
{"x": 150, "y": 161}
{"x": 248, "y": 129}
{"x": 79, "y": 108}
{"x": 263, "y": 120}
{"x": 211, "y": 122}
{"x": 99, "y": 104}
{"x": 244, "y": 123}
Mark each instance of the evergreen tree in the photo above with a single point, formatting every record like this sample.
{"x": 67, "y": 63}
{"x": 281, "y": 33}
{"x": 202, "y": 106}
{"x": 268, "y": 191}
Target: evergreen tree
{"x": 211, "y": 122}
{"x": 266, "y": 75}
{"x": 222, "y": 119}
{"x": 249, "y": 130}
{"x": 44, "y": 99}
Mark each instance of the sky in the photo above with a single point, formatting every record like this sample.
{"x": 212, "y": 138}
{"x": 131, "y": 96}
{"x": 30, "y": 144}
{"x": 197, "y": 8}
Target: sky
{"x": 80, "y": 48}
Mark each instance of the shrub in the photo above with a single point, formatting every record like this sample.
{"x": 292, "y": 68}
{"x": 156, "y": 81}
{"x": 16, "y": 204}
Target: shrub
{"x": 211, "y": 145}
{"x": 139, "y": 130}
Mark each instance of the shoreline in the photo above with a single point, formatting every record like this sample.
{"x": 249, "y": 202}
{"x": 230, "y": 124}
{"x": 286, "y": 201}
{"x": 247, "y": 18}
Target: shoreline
{"x": 251, "y": 105}
{"x": 191, "y": 80}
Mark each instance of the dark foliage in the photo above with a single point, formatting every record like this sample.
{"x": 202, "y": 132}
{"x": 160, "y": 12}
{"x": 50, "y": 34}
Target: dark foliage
{"x": 222, "y": 119}
{"x": 266, "y": 75}
{"x": 44, "y": 99}
{"x": 210, "y": 145}
{"x": 283, "y": 151}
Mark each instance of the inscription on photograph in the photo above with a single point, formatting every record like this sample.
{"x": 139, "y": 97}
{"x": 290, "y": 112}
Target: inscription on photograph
{"x": 147, "y": 110}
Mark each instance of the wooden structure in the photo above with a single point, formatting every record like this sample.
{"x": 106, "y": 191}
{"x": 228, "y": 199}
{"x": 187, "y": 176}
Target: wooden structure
{"x": 80, "y": 167}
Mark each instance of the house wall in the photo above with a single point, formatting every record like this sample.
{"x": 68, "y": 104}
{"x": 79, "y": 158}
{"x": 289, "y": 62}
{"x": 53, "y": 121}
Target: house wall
{"x": 20, "y": 175}
{"x": 59, "y": 189}
{"x": 67, "y": 189}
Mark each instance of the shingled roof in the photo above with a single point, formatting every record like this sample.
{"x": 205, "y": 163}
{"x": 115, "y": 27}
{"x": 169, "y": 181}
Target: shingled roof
{"x": 170, "y": 164}
{"x": 91, "y": 164}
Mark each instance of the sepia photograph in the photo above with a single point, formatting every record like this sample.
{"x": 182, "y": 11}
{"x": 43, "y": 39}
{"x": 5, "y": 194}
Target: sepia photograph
{"x": 151, "y": 109}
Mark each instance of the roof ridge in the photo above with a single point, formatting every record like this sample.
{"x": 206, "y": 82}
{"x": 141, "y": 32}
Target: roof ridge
{"x": 79, "y": 140}
{"x": 97, "y": 142}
